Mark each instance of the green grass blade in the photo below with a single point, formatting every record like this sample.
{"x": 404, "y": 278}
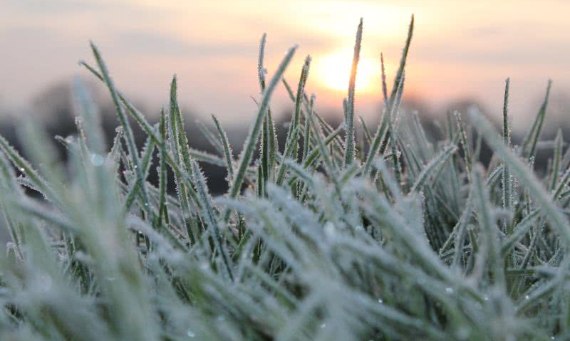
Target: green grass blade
{"x": 465, "y": 145}
{"x": 255, "y": 130}
{"x": 379, "y": 140}
{"x": 307, "y": 129}
{"x": 129, "y": 136}
{"x": 384, "y": 84}
{"x": 556, "y": 159}
{"x": 209, "y": 216}
{"x": 260, "y": 67}
{"x": 531, "y": 139}
{"x": 317, "y": 152}
{"x": 528, "y": 179}
{"x": 292, "y": 141}
{"x": 324, "y": 154}
{"x": 228, "y": 154}
{"x": 28, "y": 170}
{"x": 489, "y": 234}
{"x": 433, "y": 166}
{"x": 92, "y": 121}
{"x": 519, "y": 231}
{"x": 183, "y": 173}
{"x": 210, "y": 137}
{"x": 506, "y": 179}
{"x": 268, "y": 137}
{"x": 349, "y": 116}
{"x": 162, "y": 174}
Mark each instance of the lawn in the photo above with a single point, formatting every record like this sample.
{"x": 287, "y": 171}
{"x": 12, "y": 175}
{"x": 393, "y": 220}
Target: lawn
{"x": 389, "y": 236}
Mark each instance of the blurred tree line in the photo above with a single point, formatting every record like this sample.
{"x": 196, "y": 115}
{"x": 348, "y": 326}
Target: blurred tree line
{"x": 54, "y": 108}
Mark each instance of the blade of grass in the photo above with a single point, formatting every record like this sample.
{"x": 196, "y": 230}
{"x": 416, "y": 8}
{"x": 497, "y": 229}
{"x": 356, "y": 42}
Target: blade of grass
{"x": 506, "y": 179}
{"x": 183, "y": 172}
{"x": 292, "y": 142}
{"x": 227, "y": 149}
{"x": 531, "y": 139}
{"x": 557, "y": 159}
{"x": 551, "y": 212}
{"x": 210, "y": 137}
{"x": 379, "y": 140}
{"x": 268, "y": 137}
{"x": 251, "y": 140}
{"x": 433, "y": 166}
{"x": 384, "y": 84}
{"x": 129, "y": 136}
{"x": 349, "y": 113}
{"x": 489, "y": 238}
{"x": 26, "y": 168}
{"x": 210, "y": 218}
{"x": 307, "y": 129}
{"x": 162, "y": 218}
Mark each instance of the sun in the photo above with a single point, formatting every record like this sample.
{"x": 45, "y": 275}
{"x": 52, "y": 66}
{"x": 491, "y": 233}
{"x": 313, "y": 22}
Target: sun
{"x": 332, "y": 71}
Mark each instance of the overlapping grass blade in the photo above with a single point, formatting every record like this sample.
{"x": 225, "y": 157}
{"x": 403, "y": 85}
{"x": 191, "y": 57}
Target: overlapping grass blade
{"x": 129, "y": 135}
{"x": 528, "y": 179}
{"x": 292, "y": 141}
{"x": 379, "y": 141}
{"x": 255, "y": 130}
{"x": 531, "y": 139}
{"x": 228, "y": 154}
{"x": 433, "y": 166}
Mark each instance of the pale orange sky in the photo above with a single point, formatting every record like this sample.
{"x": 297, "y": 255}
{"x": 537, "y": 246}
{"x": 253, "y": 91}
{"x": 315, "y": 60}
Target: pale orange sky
{"x": 461, "y": 49}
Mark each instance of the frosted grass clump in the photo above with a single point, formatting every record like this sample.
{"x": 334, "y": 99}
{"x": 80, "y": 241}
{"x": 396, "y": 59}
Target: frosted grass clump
{"x": 392, "y": 237}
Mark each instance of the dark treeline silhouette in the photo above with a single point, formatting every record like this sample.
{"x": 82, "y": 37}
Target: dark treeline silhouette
{"x": 54, "y": 108}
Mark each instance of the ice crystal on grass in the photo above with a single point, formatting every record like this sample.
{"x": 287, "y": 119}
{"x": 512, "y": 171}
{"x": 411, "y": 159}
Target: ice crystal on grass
{"x": 393, "y": 237}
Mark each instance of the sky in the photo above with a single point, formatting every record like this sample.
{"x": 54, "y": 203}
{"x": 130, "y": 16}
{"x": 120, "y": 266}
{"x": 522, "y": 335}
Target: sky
{"x": 460, "y": 50}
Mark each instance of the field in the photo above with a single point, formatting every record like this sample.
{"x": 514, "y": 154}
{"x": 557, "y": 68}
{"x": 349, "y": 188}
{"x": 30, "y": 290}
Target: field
{"x": 348, "y": 233}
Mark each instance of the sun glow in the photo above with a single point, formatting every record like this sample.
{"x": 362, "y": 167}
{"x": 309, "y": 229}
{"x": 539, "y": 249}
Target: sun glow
{"x": 332, "y": 71}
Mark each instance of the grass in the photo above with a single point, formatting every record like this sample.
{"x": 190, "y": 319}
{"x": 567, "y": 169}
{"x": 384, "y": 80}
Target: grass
{"x": 393, "y": 237}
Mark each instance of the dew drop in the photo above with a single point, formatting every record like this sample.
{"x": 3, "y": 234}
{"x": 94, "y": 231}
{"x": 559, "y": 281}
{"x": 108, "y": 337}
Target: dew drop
{"x": 97, "y": 160}
{"x": 190, "y": 333}
{"x": 330, "y": 230}
{"x": 380, "y": 301}
{"x": 449, "y": 290}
